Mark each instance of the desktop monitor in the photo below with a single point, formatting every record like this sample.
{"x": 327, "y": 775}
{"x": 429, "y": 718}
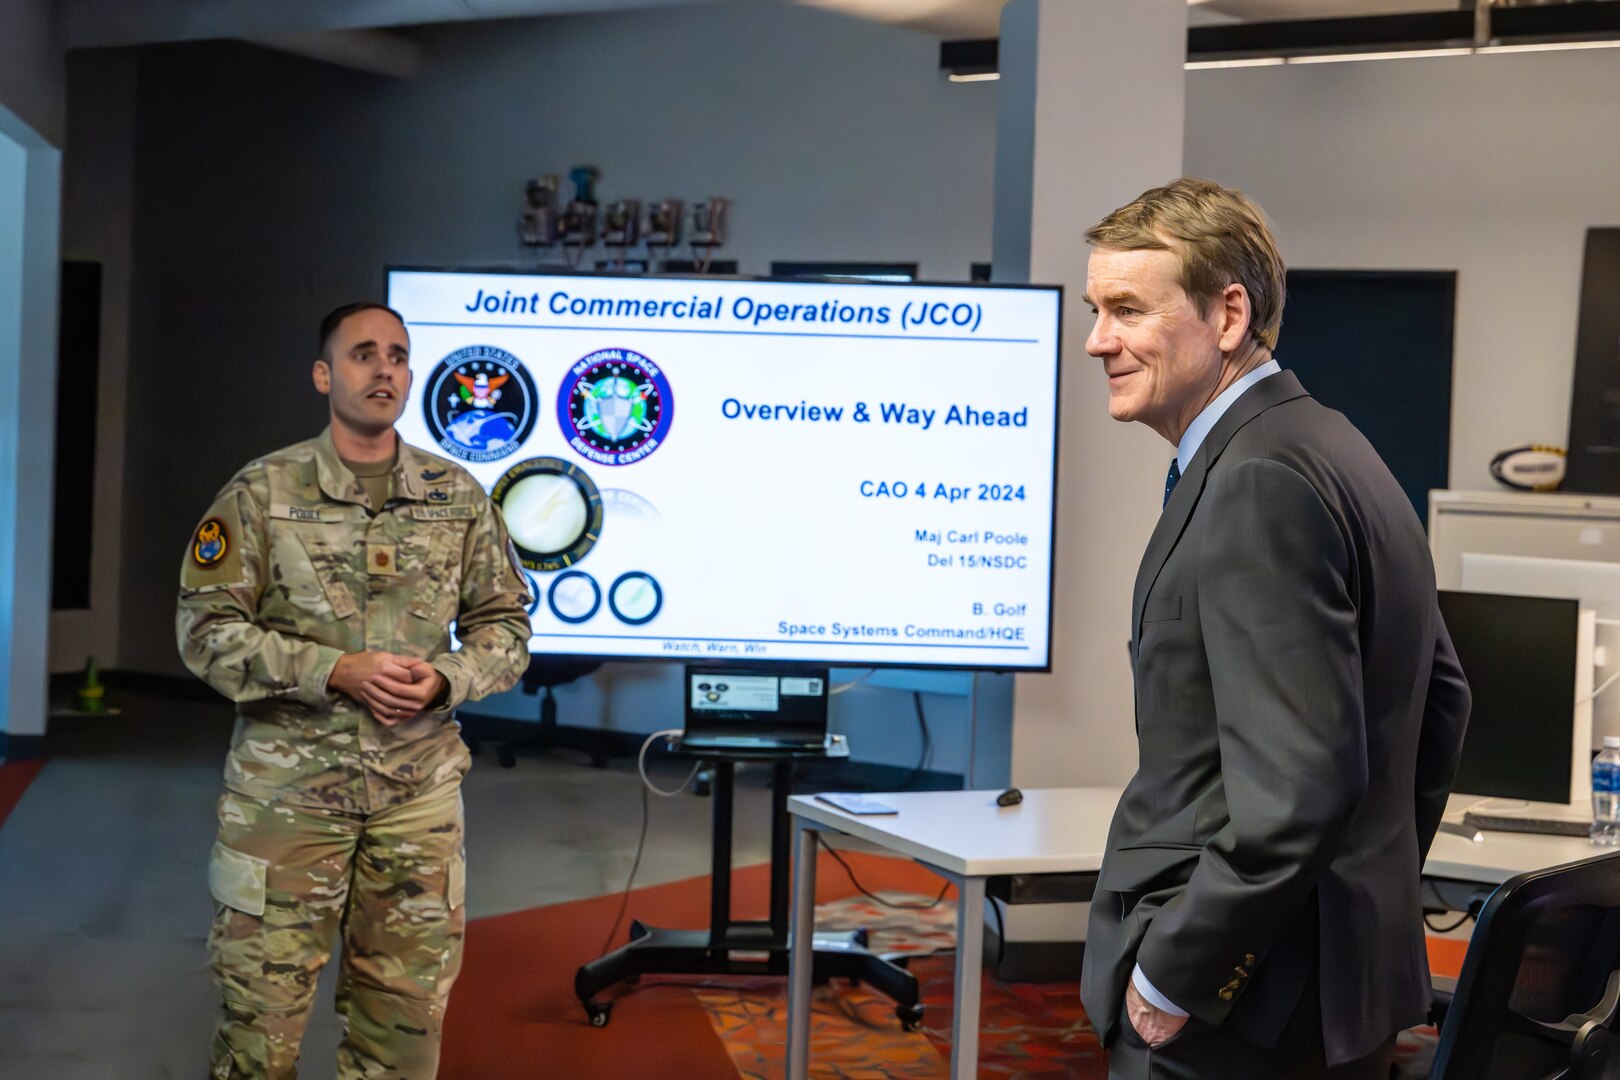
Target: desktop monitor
{"x": 1527, "y": 660}
{"x": 1595, "y": 584}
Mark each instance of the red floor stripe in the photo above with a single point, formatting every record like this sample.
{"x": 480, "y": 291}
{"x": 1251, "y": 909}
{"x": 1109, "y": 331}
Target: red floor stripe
{"x": 1446, "y": 955}
{"x": 15, "y": 776}
{"x": 513, "y": 1011}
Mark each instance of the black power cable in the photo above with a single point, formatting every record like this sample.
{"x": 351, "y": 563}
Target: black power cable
{"x": 641, "y": 841}
{"x": 853, "y": 880}
{"x": 624, "y": 899}
{"x": 1458, "y": 925}
{"x": 926, "y": 757}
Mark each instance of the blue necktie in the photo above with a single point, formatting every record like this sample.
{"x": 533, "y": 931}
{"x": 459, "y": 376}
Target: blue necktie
{"x": 1170, "y": 481}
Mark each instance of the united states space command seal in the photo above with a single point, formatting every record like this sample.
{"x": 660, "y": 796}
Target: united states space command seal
{"x": 210, "y": 544}
{"x": 480, "y": 404}
{"x": 615, "y": 407}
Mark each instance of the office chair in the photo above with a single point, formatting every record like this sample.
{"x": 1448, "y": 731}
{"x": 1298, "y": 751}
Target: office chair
{"x": 543, "y": 674}
{"x": 1539, "y": 993}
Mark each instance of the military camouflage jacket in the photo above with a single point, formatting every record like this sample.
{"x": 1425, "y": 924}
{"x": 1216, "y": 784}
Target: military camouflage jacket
{"x": 288, "y": 570}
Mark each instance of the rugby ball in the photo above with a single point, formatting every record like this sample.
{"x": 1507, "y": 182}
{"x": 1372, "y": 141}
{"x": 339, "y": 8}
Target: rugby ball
{"x": 1529, "y": 467}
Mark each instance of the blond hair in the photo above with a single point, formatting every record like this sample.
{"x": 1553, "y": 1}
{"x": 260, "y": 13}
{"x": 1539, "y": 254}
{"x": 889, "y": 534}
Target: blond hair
{"x": 1221, "y": 237}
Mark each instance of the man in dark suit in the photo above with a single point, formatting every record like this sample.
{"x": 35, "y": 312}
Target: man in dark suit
{"x": 1299, "y": 707}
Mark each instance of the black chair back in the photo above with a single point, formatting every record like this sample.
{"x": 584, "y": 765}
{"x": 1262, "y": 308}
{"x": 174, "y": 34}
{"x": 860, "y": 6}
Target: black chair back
{"x": 1539, "y": 992}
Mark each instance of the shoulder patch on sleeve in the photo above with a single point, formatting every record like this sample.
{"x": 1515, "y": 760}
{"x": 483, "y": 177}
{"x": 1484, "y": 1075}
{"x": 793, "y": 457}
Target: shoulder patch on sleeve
{"x": 211, "y": 543}
{"x": 213, "y": 554}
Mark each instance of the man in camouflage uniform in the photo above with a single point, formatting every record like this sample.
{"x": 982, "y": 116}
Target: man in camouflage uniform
{"x": 318, "y": 594}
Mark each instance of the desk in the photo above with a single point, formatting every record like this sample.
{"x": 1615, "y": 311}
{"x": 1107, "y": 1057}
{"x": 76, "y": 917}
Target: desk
{"x": 1502, "y": 855}
{"x": 964, "y": 837}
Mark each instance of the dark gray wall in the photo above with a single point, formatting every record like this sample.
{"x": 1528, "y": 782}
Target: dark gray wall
{"x": 269, "y": 188}
{"x": 31, "y": 70}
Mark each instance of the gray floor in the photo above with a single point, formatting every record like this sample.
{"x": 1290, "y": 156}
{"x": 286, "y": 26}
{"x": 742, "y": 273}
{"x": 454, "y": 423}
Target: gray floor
{"x": 104, "y": 898}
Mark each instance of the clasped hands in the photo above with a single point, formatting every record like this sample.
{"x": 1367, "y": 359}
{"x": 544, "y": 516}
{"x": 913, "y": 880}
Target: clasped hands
{"x": 395, "y": 688}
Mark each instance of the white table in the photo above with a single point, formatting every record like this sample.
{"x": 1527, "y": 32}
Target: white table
{"x": 965, "y": 838}
{"x": 1501, "y": 855}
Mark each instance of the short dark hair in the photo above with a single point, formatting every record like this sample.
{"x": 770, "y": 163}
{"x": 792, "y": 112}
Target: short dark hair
{"x": 335, "y": 317}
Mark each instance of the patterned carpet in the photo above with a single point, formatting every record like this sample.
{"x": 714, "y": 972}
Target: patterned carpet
{"x": 513, "y": 1012}
{"x": 1028, "y": 1031}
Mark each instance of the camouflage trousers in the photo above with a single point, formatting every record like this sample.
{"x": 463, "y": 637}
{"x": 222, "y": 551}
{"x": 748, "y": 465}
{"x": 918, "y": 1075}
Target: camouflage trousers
{"x": 287, "y": 880}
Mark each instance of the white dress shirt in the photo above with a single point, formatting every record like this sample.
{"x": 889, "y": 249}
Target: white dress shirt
{"x": 1191, "y": 440}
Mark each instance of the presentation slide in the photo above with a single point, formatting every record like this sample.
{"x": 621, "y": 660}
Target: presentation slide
{"x": 700, "y": 468}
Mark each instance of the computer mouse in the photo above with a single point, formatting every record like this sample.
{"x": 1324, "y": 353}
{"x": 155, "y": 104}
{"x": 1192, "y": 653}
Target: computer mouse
{"x": 1011, "y": 797}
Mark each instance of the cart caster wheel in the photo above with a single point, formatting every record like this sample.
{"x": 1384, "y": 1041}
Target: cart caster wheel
{"x": 910, "y": 1017}
{"x": 507, "y": 758}
{"x": 598, "y": 1014}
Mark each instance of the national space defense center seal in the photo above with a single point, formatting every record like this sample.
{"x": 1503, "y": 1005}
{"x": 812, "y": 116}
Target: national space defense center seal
{"x": 615, "y": 407}
{"x": 480, "y": 404}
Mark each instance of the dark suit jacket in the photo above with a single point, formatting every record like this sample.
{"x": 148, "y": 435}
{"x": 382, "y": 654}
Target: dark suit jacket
{"x": 1300, "y": 713}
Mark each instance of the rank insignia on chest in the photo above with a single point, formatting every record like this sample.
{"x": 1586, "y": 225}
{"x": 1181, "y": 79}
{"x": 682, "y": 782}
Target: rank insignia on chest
{"x": 211, "y": 543}
{"x": 382, "y": 560}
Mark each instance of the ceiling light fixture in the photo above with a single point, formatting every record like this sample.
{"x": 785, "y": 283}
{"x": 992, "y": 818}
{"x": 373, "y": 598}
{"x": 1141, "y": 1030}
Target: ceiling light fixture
{"x": 1402, "y": 54}
{"x": 1549, "y": 46}
{"x": 1524, "y": 27}
{"x": 1399, "y": 54}
{"x": 1253, "y": 61}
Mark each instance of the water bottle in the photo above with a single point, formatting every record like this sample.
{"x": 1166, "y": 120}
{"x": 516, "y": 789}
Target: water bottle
{"x": 1606, "y": 793}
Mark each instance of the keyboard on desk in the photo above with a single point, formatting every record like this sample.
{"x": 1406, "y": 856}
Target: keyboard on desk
{"x": 746, "y": 742}
{"x": 1542, "y": 825}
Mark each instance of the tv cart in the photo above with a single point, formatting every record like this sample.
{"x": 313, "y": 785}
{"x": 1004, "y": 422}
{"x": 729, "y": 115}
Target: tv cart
{"x": 709, "y": 952}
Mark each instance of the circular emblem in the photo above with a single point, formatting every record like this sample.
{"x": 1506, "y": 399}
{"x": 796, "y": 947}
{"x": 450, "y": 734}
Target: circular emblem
{"x": 480, "y": 404}
{"x": 636, "y": 597}
{"x": 615, "y": 407}
{"x": 211, "y": 543}
{"x": 552, "y": 510}
{"x": 575, "y": 596}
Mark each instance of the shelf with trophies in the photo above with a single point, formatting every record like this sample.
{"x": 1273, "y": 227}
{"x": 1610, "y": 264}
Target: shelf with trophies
{"x": 633, "y": 235}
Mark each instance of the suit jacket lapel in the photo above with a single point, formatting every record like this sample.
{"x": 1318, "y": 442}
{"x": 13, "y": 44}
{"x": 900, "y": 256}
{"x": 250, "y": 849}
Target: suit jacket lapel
{"x": 1281, "y": 387}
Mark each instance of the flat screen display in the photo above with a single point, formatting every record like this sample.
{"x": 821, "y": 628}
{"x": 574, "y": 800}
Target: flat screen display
{"x": 1518, "y": 654}
{"x": 700, "y": 469}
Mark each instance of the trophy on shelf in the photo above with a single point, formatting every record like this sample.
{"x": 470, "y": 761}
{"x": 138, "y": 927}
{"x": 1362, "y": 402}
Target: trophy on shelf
{"x": 537, "y": 227}
{"x": 708, "y": 231}
{"x": 661, "y": 228}
{"x": 621, "y": 228}
{"x": 580, "y": 219}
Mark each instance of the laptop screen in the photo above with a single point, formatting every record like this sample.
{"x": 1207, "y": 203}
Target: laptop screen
{"x": 738, "y": 701}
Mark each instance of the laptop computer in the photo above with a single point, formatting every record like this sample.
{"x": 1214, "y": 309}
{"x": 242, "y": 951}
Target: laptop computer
{"x": 737, "y": 708}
